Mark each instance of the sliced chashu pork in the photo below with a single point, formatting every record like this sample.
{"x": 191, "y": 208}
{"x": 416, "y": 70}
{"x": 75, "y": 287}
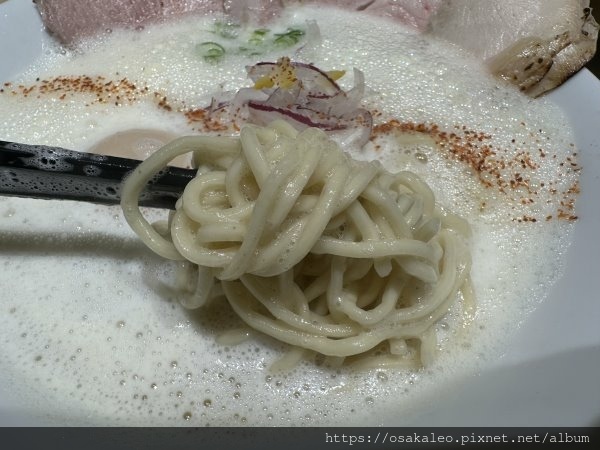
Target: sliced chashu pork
{"x": 414, "y": 13}
{"x": 535, "y": 44}
{"x": 72, "y": 20}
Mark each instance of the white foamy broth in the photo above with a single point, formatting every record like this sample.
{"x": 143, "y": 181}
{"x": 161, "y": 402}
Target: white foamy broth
{"x": 91, "y": 332}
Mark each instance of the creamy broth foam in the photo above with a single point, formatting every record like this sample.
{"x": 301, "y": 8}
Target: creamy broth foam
{"x": 91, "y": 331}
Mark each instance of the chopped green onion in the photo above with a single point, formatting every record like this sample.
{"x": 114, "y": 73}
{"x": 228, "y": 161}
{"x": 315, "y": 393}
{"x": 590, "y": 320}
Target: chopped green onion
{"x": 226, "y": 30}
{"x": 251, "y": 51}
{"x": 258, "y": 36}
{"x": 291, "y": 37}
{"x": 258, "y": 41}
{"x": 211, "y": 51}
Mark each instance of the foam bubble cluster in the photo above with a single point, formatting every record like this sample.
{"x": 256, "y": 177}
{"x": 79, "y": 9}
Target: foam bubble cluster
{"x": 92, "y": 332}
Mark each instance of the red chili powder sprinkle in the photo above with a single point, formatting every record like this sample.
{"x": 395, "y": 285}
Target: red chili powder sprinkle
{"x": 496, "y": 168}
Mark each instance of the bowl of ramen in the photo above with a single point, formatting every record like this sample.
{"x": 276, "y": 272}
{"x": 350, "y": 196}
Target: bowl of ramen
{"x": 381, "y": 230}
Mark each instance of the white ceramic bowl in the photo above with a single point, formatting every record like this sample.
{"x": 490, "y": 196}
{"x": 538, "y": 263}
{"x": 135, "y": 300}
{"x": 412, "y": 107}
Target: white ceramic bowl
{"x": 549, "y": 376}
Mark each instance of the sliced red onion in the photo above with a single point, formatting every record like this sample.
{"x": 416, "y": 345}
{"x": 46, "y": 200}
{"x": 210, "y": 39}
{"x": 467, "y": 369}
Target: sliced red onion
{"x": 237, "y": 106}
{"x": 262, "y": 113}
{"x": 286, "y": 97}
{"x": 313, "y": 80}
{"x": 352, "y": 129}
{"x": 356, "y": 94}
{"x": 341, "y": 102}
{"x": 311, "y": 99}
{"x": 358, "y": 132}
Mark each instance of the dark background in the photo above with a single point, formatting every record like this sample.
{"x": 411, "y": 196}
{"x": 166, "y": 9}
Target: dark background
{"x": 594, "y": 64}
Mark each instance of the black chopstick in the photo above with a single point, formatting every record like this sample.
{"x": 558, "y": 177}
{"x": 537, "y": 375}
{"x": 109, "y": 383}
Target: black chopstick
{"x": 38, "y": 171}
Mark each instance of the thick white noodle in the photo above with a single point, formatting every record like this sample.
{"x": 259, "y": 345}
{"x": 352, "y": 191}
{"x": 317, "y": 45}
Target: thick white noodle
{"x": 309, "y": 246}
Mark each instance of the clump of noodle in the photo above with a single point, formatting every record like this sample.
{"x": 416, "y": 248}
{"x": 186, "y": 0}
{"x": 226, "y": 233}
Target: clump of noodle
{"x": 310, "y": 246}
